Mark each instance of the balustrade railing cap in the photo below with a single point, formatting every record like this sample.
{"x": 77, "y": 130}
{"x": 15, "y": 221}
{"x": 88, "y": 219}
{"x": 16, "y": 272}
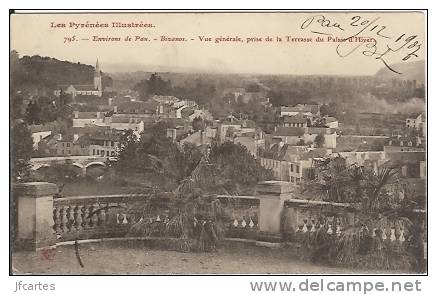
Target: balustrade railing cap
{"x": 274, "y": 187}
{"x": 34, "y": 189}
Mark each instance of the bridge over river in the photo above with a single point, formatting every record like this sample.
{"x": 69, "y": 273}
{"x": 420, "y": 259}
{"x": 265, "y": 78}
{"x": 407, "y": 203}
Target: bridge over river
{"x": 82, "y": 162}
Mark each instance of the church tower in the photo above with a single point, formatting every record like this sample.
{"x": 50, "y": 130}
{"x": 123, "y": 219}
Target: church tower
{"x": 98, "y": 78}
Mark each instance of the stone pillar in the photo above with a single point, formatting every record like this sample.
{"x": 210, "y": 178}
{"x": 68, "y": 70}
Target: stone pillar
{"x": 34, "y": 220}
{"x": 272, "y": 195}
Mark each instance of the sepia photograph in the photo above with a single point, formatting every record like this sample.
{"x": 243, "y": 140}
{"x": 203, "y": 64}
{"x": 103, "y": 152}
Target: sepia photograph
{"x": 218, "y": 142}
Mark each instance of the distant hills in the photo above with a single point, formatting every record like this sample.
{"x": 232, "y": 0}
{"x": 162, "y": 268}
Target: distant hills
{"x": 410, "y": 71}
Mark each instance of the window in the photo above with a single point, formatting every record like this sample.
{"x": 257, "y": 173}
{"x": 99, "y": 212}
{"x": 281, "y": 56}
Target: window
{"x": 112, "y": 143}
{"x": 297, "y": 169}
{"x": 107, "y": 153}
{"x": 94, "y": 152}
{"x": 112, "y": 153}
{"x": 69, "y": 152}
{"x": 68, "y": 144}
{"x": 102, "y": 153}
{"x": 291, "y": 167}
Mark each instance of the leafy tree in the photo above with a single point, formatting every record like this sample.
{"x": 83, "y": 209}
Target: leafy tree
{"x": 16, "y": 105}
{"x": 21, "y": 150}
{"x": 155, "y": 85}
{"x": 156, "y": 154}
{"x": 301, "y": 142}
{"x": 33, "y": 113}
{"x": 319, "y": 141}
{"x": 235, "y": 166}
{"x": 198, "y": 124}
{"x": 127, "y": 156}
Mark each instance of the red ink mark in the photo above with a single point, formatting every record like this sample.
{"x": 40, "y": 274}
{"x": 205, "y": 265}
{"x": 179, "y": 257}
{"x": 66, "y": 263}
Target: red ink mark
{"x": 48, "y": 254}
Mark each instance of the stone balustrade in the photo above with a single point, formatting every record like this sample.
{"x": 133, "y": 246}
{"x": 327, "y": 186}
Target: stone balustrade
{"x": 273, "y": 214}
{"x": 87, "y": 217}
{"x": 302, "y": 219}
{"x": 242, "y": 214}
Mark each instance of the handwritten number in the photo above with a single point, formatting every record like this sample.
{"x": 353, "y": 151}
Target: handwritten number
{"x": 355, "y": 19}
{"x": 379, "y": 32}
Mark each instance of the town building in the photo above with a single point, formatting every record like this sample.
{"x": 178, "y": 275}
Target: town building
{"x": 291, "y": 163}
{"x": 228, "y": 127}
{"x": 298, "y": 120}
{"x": 253, "y": 141}
{"x": 83, "y": 119}
{"x": 417, "y": 121}
{"x": 309, "y": 110}
{"x": 105, "y": 144}
{"x": 303, "y": 136}
{"x": 404, "y": 143}
{"x": 127, "y": 123}
{"x": 148, "y": 108}
{"x": 39, "y": 132}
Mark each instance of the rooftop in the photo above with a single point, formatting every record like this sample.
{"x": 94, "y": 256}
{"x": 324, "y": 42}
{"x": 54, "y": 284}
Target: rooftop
{"x": 299, "y": 118}
{"x": 289, "y": 131}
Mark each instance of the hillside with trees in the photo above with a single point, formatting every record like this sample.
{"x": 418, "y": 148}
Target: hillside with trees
{"x": 37, "y": 73}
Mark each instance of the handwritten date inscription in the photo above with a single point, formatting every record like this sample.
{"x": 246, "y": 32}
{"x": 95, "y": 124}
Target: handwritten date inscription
{"x": 380, "y": 43}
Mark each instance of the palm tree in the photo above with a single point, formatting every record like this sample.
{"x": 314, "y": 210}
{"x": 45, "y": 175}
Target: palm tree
{"x": 194, "y": 218}
{"x": 376, "y": 209}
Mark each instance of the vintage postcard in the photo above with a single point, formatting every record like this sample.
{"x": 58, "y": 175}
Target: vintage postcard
{"x": 231, "y": 142}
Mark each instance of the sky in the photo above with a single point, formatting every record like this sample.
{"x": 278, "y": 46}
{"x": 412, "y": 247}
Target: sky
{"x": 36, "y": 34}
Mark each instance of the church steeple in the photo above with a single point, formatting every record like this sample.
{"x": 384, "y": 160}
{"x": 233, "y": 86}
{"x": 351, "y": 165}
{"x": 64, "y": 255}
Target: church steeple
{"x": 97, "y": 77}
{"x": 97, "y": 69}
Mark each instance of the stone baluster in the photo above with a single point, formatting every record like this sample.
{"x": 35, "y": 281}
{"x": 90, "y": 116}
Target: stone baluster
{"x": 313, "y": 226}
{"x": 84, "y": 214}
{"x": 305, "y": 226}
{"x": 124, "y": 221}
{"x": 56, "y": 220}
{"x": 329, "y": 231}
{"x": 70, "y": 218}
{"x": 93, "y": 216}
{"x": 101, "y": 215}
{"x": 243, "y": 223}
{"x": 338, "y": 227}
{"x": 78, "y": 217}
{"x": 64, "y": 219}
{"x": 392, "y": 234}
{"x": 251, "y": 224}
{"x": 106, "y": 213}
